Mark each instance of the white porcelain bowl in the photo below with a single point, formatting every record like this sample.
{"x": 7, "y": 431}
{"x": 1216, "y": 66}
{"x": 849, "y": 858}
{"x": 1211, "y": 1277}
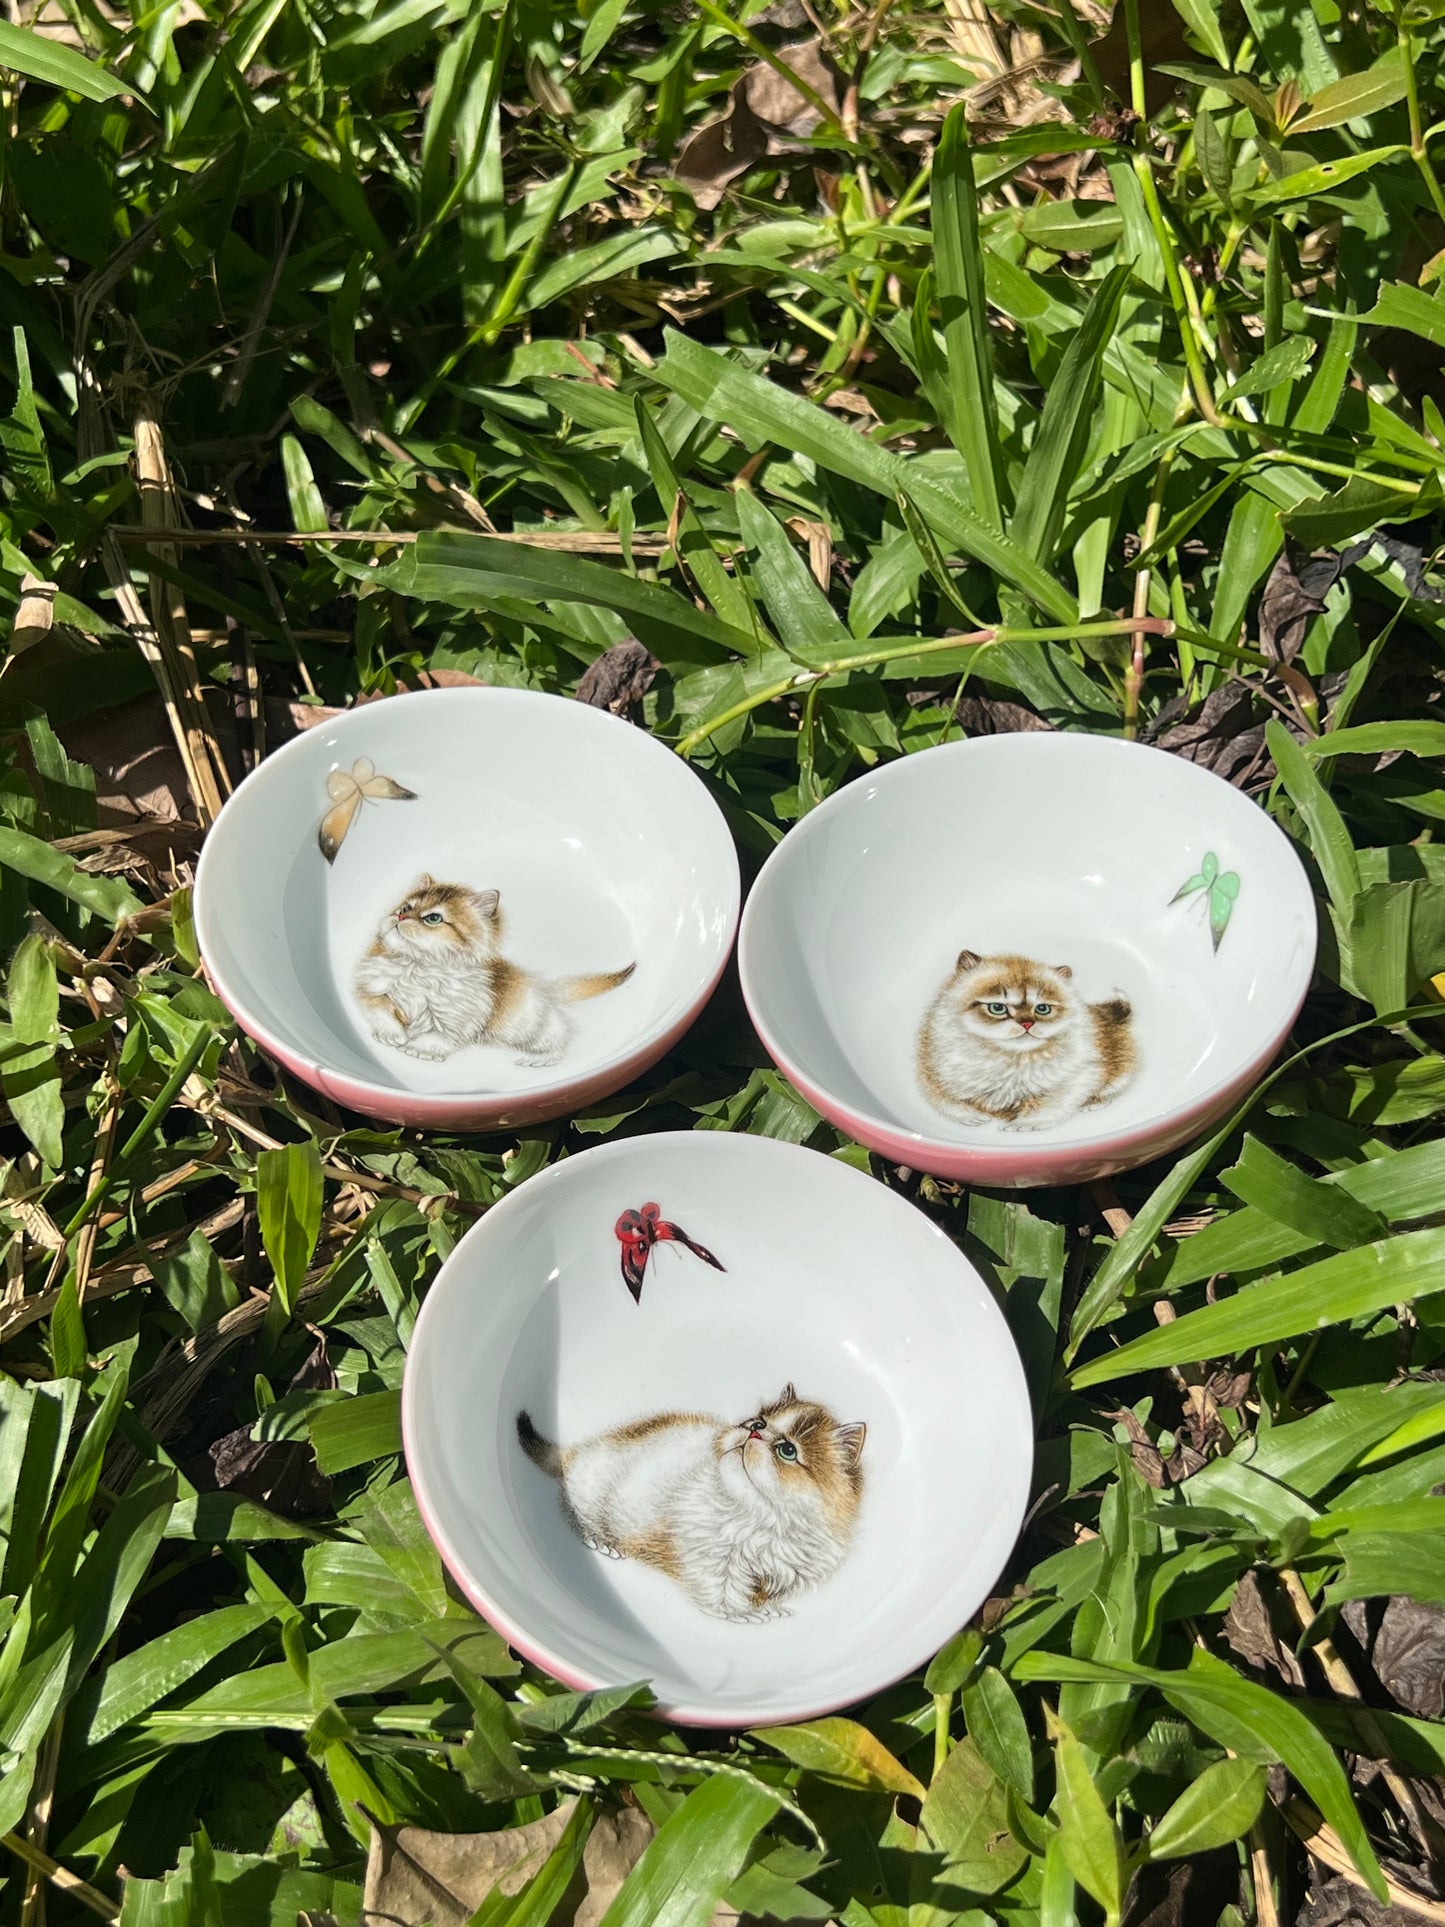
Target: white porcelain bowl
{"x": 720, "y": 1414}
{"x": 468, "y": 908}
{"x": 1028, "y": 959}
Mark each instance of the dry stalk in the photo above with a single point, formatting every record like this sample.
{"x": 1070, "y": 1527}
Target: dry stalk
{"x": 37, "y": 1824}
{"x": 104, "y": 1147}
{"x": 1326, "y": 1845}
{"x": 1342, "y": 1681}
{"x": 61, "y": 1877}
{"x": 208, "y": 1105}
{"x": 452, "y": 493}
{"x": 1266, "y": 1914}
{"x": 570, "y": 541}
{"x": 174, "y": 659}
{"x": 113, "y": 1278}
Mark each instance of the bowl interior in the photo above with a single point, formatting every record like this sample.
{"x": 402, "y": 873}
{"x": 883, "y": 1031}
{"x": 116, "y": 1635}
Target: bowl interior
{"x": 826, "y": 1282}
{"x": 574, "y": 846}
{"x": 1147, "y": 923}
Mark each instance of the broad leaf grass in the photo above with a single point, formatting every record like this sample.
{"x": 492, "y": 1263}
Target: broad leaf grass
{"x": 933, "y": 418}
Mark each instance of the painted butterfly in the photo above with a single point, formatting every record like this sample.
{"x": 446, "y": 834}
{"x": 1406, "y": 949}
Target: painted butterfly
{"x": 639, "y": 1231}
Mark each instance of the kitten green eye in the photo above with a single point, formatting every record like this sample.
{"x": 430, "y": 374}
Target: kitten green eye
{"x": 433, "y": 916}
{"x": 1043, "y": 1010}
{"x": 786, "y": 1449}
{"x": 997, "y": 1010}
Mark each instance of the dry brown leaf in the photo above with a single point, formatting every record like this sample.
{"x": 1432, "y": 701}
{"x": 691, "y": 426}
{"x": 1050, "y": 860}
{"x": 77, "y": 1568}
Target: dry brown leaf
{"x": 35, "y": 615}
{"x": 1249, "y": 1627}
{"x": 719, "y": 151}
{"x": 279, "y": 1473}
{"x": 1220, "y": 734}
{"x": 1149, "y": 1462}
{"x": 620, "y": 677}
{"x": 766, "y": 114}
{"x": 780, "y": 105}
{"x": 1408, "y": 1656}
{"x": 138, "y": 769}
{"x": 1179, "y": 1893}
{"x": 1294, "y": 595}
{"x": 980, "y": 715}
{"x": 285, "y": 719}
{"x": 414, "y": 1877}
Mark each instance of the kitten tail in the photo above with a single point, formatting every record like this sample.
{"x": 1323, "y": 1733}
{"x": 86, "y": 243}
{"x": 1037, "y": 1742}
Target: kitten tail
{"x": 576, "y": 990}
{"x": 539, "y": 1450}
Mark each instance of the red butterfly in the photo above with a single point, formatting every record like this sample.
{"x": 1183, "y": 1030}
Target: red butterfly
{"x": 639, "y": 1231}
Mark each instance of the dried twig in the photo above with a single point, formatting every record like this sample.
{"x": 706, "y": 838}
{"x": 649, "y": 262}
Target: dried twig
{"x": 166, "y": 641}
{"x": 1342, "y": 1682}
{"x": 1326, "y": 1845}
{"x": 61, "y": 1877}
{"x": 579, "y": 541}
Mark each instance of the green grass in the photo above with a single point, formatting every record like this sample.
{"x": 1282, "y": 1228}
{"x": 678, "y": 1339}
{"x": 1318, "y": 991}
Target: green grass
{"x": 925, "y": 422}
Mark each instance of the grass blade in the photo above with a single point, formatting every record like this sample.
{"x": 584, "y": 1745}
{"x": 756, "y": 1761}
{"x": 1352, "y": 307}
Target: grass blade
{"x": 958, "y": 268}
{"x": 762, "y": 412}
{"x": 696, "y": 1856}
{"x": 470, "y": 569}
{"x": 1349, "y": 1285}
{"x": 1062, "y": 440}
{"x": 1248, "y": 1719}
{"x": 39, "y": 58}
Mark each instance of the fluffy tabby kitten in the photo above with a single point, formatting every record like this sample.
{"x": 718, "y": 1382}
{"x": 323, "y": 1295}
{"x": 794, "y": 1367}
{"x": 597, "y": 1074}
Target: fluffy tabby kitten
{"x": 741, "y": 1516}
{"x": 434, "y": 980}
{"x": 1009, "y": 1039}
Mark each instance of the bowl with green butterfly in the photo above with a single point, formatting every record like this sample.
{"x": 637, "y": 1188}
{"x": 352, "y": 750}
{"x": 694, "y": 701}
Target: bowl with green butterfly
{"x": 1029, "y": 959}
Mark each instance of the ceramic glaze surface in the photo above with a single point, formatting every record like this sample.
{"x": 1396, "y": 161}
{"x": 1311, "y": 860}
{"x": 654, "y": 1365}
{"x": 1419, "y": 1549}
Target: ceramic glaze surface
{"x": 800, "y": 1440}
{"x": 1050, "y": 951}
{"x": 467, "y": 895}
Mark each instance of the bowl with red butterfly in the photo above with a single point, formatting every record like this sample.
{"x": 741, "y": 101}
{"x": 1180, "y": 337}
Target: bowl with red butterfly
{"x": 720, "y": 1417}
{"x": 468, "y": 908}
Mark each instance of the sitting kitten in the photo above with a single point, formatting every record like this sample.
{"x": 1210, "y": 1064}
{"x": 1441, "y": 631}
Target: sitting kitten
{"x": 435, "y": 980}
{"x": 741, "y": 1516}
{"x": 1008, "y": 1039}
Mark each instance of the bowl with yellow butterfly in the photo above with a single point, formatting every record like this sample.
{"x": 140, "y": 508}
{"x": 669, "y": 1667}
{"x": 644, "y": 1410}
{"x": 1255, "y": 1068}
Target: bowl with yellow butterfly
{"x": 468, "y": 909}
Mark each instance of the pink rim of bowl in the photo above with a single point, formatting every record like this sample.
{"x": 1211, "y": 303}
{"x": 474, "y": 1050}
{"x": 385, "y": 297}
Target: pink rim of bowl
{"x": 461, "y": 1111}
{"x": 1019, "y": 1164}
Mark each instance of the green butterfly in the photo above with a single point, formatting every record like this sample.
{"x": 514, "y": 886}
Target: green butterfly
{"x": 1223, "y": 888}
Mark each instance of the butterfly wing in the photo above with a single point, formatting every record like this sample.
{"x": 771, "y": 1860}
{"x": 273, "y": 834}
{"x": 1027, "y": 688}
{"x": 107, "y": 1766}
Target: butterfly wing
{"x": 701, "y": 1251}
{"x": 634, "y": 1235}
{"x": 385, "y": 787}
{"x": 337, "y": 821}
{"x": 1222, "y": 893}
{"x": 634, "y": 1267}
{"x": 675, "y": 1234}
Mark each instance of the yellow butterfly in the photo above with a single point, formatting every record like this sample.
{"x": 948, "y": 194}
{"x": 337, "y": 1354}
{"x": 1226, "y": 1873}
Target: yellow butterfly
{"x": 348, "y": 790}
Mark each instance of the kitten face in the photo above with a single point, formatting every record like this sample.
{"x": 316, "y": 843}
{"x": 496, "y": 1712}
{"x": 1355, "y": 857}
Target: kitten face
{"x": 1012, "y": 1003}
{"x": 438, "y": 922}
{"x": 794, "y": 1452}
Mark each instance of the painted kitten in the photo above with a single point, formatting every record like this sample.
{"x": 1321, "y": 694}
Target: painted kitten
{"x": 1009, "y": 1039}
{"x": 741, "y": 1516}
{"x": 434, "y": 980}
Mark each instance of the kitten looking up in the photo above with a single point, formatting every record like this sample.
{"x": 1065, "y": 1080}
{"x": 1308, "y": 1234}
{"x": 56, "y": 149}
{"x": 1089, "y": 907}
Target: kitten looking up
{"x": 434, "y": 980}
{"x": 1010, "y": 1039}
{"x": 742, "y": 1516}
